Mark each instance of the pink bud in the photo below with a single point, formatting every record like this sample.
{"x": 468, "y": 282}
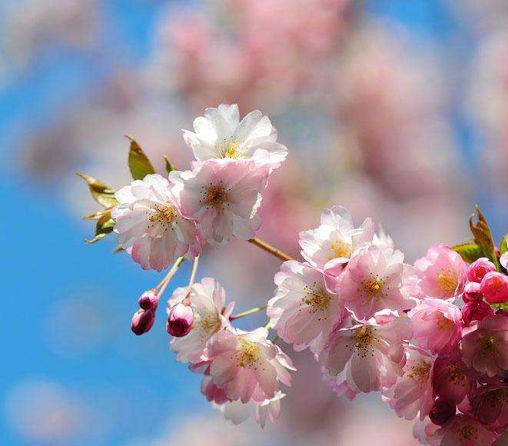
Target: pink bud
{"x": 477, "y": 270}
{"x": 472, "y": 292}
{"x": 475, "y": 311}
{"x": 180, "y": 320}
{"x": 441, "y": 412}
{"x": 494, "y": 287}
{"x": 142, "y": 321}
{"x": 148, "y": 300}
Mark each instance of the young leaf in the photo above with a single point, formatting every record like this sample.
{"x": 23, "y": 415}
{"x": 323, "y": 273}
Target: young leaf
{"x": 468, "y": 251}
{"x": 503, "y": 246}
{"x": 103, "y": 227}
{"x": 139, "y": 164}
{"x": 101, "y": 193}
{"x": 169, "y": 166}
{"x": 483, "y": 236}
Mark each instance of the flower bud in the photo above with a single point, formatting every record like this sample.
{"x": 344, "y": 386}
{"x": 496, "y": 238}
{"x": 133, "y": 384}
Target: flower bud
{"x": 472, "y": 292}
{"x": 441, "y": 412}
{"x": 180, "y": 320}
{"x": 148, "y": 300}
{"x": 494, "y": 288}
{"x": 477, "y": 270}
{"x": 475, "y": 311}
{"x": 142, "y": 321}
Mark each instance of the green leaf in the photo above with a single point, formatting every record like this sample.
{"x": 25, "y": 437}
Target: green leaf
{"x": 139, "y": 164}
{"x": 469, "y": 251}
{"x": 101, "y": 193}
{"x": 503, "y": 306}
{"x": 483, "y": 236}
{"x": 103, "y": 227}
{"x": 169, "y": 166}
{"x": 503, "y": 246}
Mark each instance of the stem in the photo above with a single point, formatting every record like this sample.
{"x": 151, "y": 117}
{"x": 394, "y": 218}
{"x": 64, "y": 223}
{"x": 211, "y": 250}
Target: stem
{"x": 194, "y": 271}
{"x": 248, "y": 312}
{"x": 269, "y": 248}
{"x": 164, "y": 282}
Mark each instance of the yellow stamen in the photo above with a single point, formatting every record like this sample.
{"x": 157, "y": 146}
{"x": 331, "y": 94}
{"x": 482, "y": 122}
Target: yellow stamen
{"x": 248, "y": 355}
{"x": 215, "y": 196}
{"x": 447, "y": 282}
{"x": 341, "y": 249}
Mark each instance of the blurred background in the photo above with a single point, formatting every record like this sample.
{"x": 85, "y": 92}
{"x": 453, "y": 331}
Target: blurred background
{"x": 396, "y": 109}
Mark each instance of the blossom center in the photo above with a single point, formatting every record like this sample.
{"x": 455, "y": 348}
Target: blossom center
{"x": 457, "y": 376}
{"x": 341, "y": 249}
{"x": 447, "y": 281}
{"x": 228, "y": 149}
{"x": 373, "y": 287}
{"x": 364, "y": 337}
{"x": 164, "y": 215}
{"x": 208, "y": 324}
{"x": 248, "y": 355}
{"x": 216, "y": 196}
{"x": 468, "y": 432}
{"x": 318, "y": 300}
{"x": 488, "y": 345}
{"x": 419, "y": 372}
{"x": 445, "y": 324}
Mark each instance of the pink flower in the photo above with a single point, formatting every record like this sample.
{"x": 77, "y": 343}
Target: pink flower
{"x": 222, "y": 196}
{"x": 486, "y": 348}
{"x": 441, "y": 273}
{"x": 477, "y": 270}
{"x": 376, "y": 279}
{"x": 451, "y": 379}
{"x": 331, "y": 245}
{"x": 412, "y": 393}
{"x": 436, "y": 325}
{"x": 463, "y": 430}
{"x": 367, "y": 357}
{"x": 494, "y": 287}
{"x": 442, "y": 411}
{"x": 490, "y": 406}
{"x": 150, "y": 226}
{"x": 246, "y": 365}
{"x": 303, "y": 312}
{"x": 220, "y": 134}
{"x": 472, "y": 292}
{"x": 213, "y": 393}
{"x": 207, "y": 299}
{"x": 237, "y": 412}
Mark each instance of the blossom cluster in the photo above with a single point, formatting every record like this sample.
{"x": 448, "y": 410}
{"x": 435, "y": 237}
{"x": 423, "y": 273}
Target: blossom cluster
{"x": 431, "y": 337}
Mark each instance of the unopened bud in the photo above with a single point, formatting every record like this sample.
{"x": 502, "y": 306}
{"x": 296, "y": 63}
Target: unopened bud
{"x": 142, "y": 321}
{"x": 148, "y": 300}
{"x": 494, "y": 288}
{"x": 476, "y": 311}
{"x": 180, "y": 320}
{"x": 441, "y": 412}
{"x": 477, "y": 270}
{"x": 472, "y": 292}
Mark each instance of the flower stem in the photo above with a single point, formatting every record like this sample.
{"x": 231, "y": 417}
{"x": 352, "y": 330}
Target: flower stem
{"x": 248, "y": 312}
{"x": 269, "y": 248}
{"x": 164, "y": 283}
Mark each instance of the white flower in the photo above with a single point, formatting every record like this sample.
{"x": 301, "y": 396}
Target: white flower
{"x": 332, "y": 244}
{"x": 149, "y": 224}
{"x": 221, "y": 134}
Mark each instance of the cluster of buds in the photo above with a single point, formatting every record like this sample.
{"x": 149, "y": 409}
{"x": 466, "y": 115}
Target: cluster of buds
{"x": 431, "y": 337}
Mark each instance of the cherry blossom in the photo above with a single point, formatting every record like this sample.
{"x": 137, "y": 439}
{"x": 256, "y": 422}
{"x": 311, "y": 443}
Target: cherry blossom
{"x": 412, "y": 394}
{"x": 149, "y": 224}
{"x": 464, "y": 430}
{"x": 333, "y": 243}
{"x": 377, "y": 279}
{"x": 303, "y": 312}
{"x": 247, "y": 366}
{"x": 369, "y": 356}
{"x": 221, "y": 134}
{"x": 442, "y": 273}
{"x": 222, "y": 196}
{"x": 436, "y": 325}
{"x": 486, "y": 347}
